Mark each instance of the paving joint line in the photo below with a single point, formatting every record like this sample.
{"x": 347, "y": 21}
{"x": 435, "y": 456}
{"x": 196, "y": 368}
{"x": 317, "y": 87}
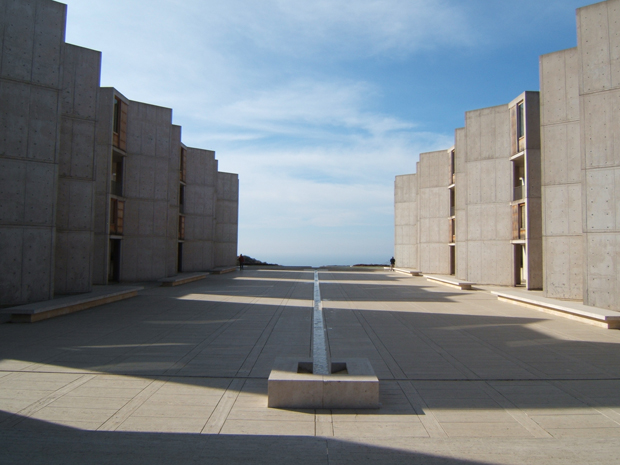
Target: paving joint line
{"x": 21, "y": 415}
{"x": 122, "y": 414}
{"x": 266, "y": 334}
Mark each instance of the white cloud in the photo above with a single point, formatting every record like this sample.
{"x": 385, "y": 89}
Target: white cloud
{"x": 315, "y": 155}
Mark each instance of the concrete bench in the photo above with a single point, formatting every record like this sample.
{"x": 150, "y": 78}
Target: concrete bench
{"x": 601, "y": 317}
{"x": 448, "y": 281}
{"x": 409, "y": 272}
{"x": 182, "y": 278}
{"x": 100, "y": 295}
{"x": 223, "y": 269}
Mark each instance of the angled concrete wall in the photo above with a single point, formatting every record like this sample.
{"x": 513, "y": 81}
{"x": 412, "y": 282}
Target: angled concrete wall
{"x": 434, "y": 177}
{"x": 103, "y": 163}
{"x": 172, "y": 233}
{"x": 406, "y": 221}
{"x": 76, "y": 182}
{"x": 561, "y": 175}
{"x": 226, "y": 219}
{"x": 460, "y": 187}
{"x": 489, "y": 192}
{"x": 598, "y": 45}
{"x": 30, "y": 83}
{"x": 144, "y": 243}
{"x": 200, "y": 199}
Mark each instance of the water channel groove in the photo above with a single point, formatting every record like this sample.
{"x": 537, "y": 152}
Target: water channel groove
{"x": 320, "y": 355}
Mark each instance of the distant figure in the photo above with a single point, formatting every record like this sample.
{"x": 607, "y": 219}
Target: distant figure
{"x": 241, "y": 261}
{"x": 392, "y": 263}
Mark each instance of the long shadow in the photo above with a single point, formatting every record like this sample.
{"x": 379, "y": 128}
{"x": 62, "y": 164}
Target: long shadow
{"x": 37, "y": 442}
{"x": 207, "y": 344}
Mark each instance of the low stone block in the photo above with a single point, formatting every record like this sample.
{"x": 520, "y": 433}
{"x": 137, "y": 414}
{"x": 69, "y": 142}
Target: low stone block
{"x": 352, "y": 384}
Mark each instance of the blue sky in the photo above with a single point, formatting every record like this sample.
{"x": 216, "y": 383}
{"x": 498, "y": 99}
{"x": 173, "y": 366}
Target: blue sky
{"x": 319, "y": 104}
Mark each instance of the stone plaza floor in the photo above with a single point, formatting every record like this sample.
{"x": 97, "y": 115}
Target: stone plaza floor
{"x": 179, "y": 375}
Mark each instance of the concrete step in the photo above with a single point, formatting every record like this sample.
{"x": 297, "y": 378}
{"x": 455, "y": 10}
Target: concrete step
{"x": 100, "y": 295}
{"x": 223, "y": 269}
{"x": 182, "y": 278}
{"x": 574, "y": 310}
{"x": 409, "y": 272}
{"x": 450, "y": 281}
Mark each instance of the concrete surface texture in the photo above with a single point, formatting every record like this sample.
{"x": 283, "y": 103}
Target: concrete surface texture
{"x": 200, "y": 201}
{"x": 406, "y": 221}
{"x": 487, "y": 199}
{"x": 77, "y": 159}
{"x": 572, "y": 197}
{"x": 146, "y": 190}
{"x": 180, "y": 375}
{"x": 561, "y": 175}
{"x": 73, "y": 257}
{"x": 598, "y": 39}
{"x": 30, "y": 85}
{"x": 226, "y": 219}
{"x": 433, "y": 210}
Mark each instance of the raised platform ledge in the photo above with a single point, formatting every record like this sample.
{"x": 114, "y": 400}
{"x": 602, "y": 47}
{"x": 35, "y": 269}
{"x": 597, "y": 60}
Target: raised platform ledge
{"x": 182, "y": 278}
{"x": 449, "y": 281}
{"x": 223, "y": 269}
{"x": 100, "y": 295}
{"x": 409, "y": 272}
{"x": 601, "y": 317}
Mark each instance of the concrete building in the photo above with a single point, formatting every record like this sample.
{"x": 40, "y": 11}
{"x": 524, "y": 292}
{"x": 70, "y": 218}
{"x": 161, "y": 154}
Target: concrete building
{"x": 535, "y": 187}
{"x": 477, "y": 205}
{"x": 581, "y": 157}
{"x": 94, "y": 187}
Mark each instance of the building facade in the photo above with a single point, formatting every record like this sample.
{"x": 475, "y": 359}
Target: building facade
{"x": 94, "y": 187}
{"x": 535, "y": 191}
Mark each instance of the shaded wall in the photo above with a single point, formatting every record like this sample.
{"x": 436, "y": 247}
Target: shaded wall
{"x": 226, "y": 219}
{"x": 200, "y": 198}
{"x": 30, "y": 83}
{"x": 76, "y": 182}
{"x": 406, "y": 221}
{"x": 149, "y": 132}
{"x": 460, "y": 208}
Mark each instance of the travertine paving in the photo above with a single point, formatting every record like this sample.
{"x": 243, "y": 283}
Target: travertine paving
{"x": 180, "y": 375}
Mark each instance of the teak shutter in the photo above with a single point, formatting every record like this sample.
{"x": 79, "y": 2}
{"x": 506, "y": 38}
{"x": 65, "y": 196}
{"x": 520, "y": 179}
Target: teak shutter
{"x": 515, "y": 222}
{"x": 122, "y": 142}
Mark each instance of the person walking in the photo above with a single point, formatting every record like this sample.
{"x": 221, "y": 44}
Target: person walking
{"x": 241, "y": 261}
{"x": 392, "y": 263}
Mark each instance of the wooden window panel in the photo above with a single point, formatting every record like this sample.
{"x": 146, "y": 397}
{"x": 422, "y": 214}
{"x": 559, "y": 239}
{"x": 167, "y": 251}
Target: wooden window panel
{"x": 120, "y": 216}
{"x": 515, "y": 222}
{"x": 113, "y": 216}
{"x": 122, "y": 138}
{"x": 183, "y": 165}
{"x": 514, "y": 143}
{"x": 181, "y": 227}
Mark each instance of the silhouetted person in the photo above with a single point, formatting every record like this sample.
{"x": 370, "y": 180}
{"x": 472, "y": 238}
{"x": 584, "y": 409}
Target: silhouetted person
{"x": 241, "y": 261}
{"x": 392, "y": 263}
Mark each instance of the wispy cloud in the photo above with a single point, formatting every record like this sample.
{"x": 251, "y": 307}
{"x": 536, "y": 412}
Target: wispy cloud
{"x": 292, "y": 96}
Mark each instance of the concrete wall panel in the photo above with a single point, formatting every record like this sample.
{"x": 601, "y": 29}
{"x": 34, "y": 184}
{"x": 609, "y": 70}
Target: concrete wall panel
{"x": 601, "y": 207}
{"x": 43, "y": 124}
{"x": 593, "y": 40}
{"x": 598, "y": 131}
{"x": 12, "y": 191}
{"x": 601, "y": 282}
{"x": 11, "y": 245}
{"x": 37, "y": 252}
{"x": 73, "y": 262}
{"x": 14, "y": 120}
{"x": 39, "y": 200}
